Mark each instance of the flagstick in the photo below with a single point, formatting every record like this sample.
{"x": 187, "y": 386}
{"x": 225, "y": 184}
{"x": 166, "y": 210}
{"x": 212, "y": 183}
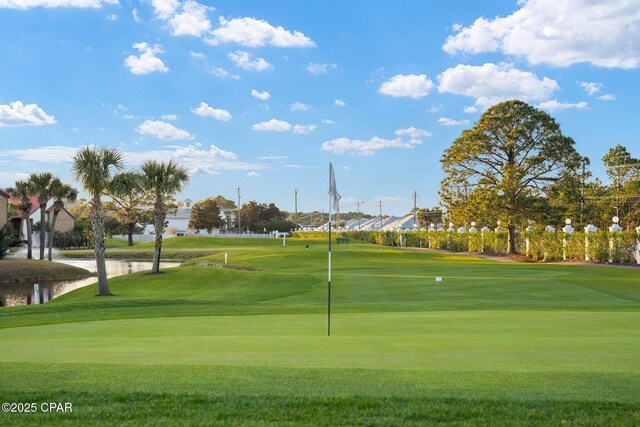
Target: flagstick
{"x": 329, "y": 282}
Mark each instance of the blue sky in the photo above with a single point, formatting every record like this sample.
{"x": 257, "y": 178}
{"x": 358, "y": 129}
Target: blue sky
{"x": 262, "y": 95}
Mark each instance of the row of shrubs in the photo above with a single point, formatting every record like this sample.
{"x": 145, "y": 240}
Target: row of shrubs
{"x": 540, "y": 245}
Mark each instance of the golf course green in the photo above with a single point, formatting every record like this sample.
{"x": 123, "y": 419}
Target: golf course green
{"x": 245, "y": 343}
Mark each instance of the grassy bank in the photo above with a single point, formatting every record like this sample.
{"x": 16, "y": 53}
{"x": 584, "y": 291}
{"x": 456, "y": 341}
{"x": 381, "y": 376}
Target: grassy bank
{"x": 173, "y": 249}
{"x": 12, "y": 270}
{"x": 493, "y": 343}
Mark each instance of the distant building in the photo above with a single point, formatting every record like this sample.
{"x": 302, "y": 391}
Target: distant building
{"x": 65, "y": 221}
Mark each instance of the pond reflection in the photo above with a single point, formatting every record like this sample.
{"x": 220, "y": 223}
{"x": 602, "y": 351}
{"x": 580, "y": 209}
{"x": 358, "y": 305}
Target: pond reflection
{"x": 24, "y": 293}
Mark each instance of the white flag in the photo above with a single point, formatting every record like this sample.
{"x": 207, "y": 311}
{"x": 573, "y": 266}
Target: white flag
{"x": 335, "y": 196}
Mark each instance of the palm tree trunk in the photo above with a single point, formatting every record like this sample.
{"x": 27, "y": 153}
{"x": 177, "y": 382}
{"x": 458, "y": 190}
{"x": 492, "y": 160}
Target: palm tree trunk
{"x": 97, "y": 223}
{"x": 27, "y": 220}
{"x": 43, "y": 230}
{"x": 159, "y": 214}
{"x": 130, "y": 227}
{"x": 52, "y": 231}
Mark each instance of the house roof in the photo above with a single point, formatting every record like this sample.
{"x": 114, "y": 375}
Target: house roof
{"x": 34, "y": 205}
{"x": 4, "y": 194}
{"x": 64, "y": 209}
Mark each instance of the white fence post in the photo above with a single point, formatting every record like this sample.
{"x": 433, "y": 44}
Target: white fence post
{"x": 568, "y": 230}
{"x": 527, "y": 232}
{"x": 472, "y": 231}
{"x": 613, "y": 229}
{"x": 587, "y": 230}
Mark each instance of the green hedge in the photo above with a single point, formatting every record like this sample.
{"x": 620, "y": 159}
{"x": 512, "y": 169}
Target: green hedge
{"x": 601, "y": 246}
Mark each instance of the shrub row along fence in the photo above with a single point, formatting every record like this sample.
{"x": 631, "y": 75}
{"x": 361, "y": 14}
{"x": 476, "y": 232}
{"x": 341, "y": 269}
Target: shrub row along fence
{"x": 540, "y": 244}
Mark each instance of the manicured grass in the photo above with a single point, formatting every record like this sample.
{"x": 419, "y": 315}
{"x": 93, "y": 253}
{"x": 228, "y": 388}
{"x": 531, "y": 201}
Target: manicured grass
{"x": 12, "y": 270}
{"x": 493, "y": 343}
{"x": 116, "y": 242}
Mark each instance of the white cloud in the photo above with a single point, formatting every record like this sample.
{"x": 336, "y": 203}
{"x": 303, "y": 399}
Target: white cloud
{"x": 197, "y": 55}
{"x": 47, "y": 153}
{"x": 298, "y": 106}
{"x": 435, "y": 108}
{"x": 253, "y": 32}
{"x": 412, "y": 132}
{"x": 8, "y": 178}
{"x": 591, "y": 88}
{"x": 560, "y": 33}
{"x": 163, "y": 9}
{"x": 263, "y": 96}
{"x": 273, "y": 125}
{"x": 411, "y": 85}
{"x": 135, "y": 16}
{"x": 470, "y": 110}
{"x": 212, "y": 160}
{"x": 171, "y": 117}
{"x": 554, "y": 105}
{"x": 245, "y": 60}
{"x": 303, "y": 129}
{"x": 147, "y": 62}
{"x": 162, "y": 130}
{"x": 112, "y": 17}
{"x": 273, "y": 157}
{"x": 328, "y": 122}
{"x": 253, "y": 173}
{"x": 205, "y": 110}
{"x": 27, "y": 4}
{"x": 607, "y": 97}
{"x": 18, "y": 114}
{"x": 293, "y": 166}
{"x": 445, "y": 121}
{"x": 490, "y": 84}
{"x": 340, "y": 103}
{"x": 320, "y": 68}
{"x": 365, "y": 148}
{"x": 191, "y": 21}
{"x": 224, "y": 74}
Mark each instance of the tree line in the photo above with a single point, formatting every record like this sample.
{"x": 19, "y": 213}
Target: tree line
{"x": 254, "y": 217}
{"x": 516, "y": 166}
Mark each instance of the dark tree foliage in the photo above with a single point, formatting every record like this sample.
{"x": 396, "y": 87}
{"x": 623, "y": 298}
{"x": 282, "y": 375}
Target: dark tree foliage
{"x": 6, "y": 239}
{"x": 206, "y": 215}
{"x": 260, "y": 218}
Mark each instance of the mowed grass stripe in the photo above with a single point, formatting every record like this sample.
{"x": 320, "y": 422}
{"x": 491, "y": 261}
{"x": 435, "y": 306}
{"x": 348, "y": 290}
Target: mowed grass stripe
{"x": 509, "y": 341}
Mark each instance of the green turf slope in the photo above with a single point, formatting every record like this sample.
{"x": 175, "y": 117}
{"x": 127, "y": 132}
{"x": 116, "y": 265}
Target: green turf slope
{"x": 493, "y": 343}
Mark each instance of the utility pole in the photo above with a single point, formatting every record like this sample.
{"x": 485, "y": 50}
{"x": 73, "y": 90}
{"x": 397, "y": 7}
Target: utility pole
{"x": 380, "y": 205}
{"x": 359, "y": 203}
{"x": 239, "y": 228}
{"x": 584, "y": 161}
{"x": 295, "y": 192}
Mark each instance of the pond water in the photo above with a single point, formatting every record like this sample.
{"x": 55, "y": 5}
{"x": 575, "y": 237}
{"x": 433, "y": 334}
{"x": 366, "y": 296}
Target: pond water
{"x": 23, "y": 293}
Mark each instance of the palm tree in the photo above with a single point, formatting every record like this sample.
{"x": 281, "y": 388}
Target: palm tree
{"x": 127, "y": 192}
{"x": 23, "y": 190}
{"x": 41, "y": 186}
{"x": 59, "y": 193}
{"x": 162, "y": 180}
{"x": 93, "y": 168}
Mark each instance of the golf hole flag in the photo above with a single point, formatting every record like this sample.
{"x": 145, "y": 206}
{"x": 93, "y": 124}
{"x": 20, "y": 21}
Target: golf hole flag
{"x": 333, "y": 192}
{"x": 334, "y": 198}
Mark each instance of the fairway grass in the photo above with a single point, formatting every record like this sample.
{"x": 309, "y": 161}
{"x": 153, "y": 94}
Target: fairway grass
{"x": 494, "y": 343}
